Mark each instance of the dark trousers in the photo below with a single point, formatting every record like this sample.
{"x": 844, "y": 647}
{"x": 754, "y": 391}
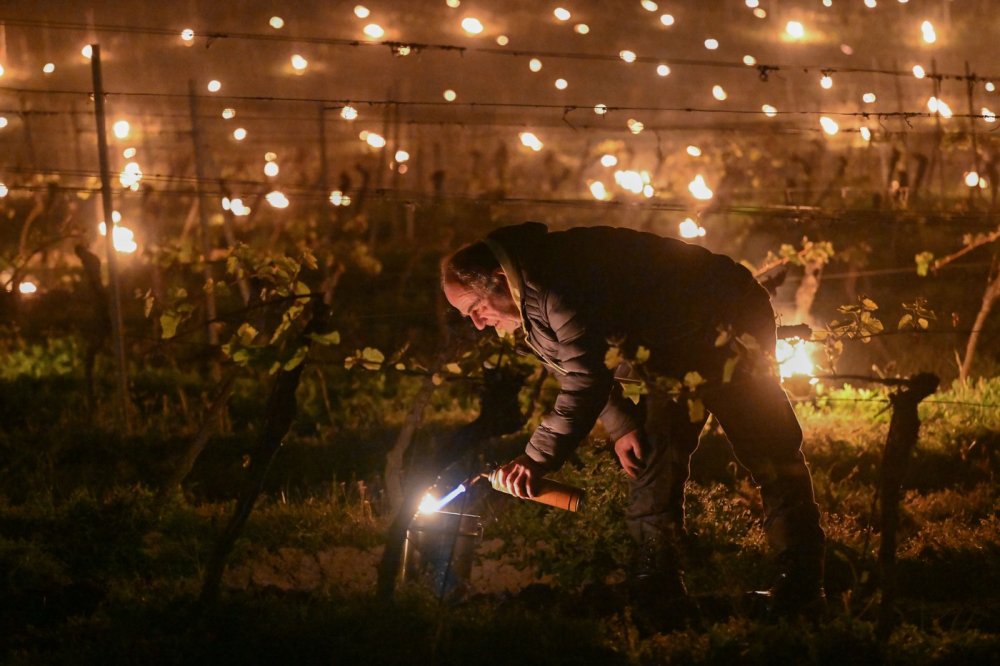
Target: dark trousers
{"x": 758, "y": 419}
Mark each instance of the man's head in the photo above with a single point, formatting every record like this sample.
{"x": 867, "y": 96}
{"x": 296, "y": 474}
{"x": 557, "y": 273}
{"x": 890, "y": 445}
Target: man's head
{"x": 475, "y": 285}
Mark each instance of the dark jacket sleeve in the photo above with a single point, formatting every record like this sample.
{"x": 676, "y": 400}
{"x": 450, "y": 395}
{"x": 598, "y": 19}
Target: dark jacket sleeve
{"x": 620, "y": 415}
{"x": 584, "y": 386}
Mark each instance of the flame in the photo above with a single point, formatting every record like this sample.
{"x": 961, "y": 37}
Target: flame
{"x": 431, "y": 504}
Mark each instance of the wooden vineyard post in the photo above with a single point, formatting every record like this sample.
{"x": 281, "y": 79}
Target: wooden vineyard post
{"x": 206, "y": 238}
{"x": 115, "y": 303}
{"x": 900, "y": 442}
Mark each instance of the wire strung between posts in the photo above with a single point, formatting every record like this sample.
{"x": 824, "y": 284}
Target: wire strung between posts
{"x": 547, "y": 123}
{"x": 394, "y": 46}
{"x": 776, "y": 213}
{"x": 337, "y": 104}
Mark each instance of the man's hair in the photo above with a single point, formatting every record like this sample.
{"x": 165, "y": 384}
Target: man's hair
{"x": 473, "y": 266}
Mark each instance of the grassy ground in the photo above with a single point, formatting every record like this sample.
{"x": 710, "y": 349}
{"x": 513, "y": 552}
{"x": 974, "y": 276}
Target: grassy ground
{"x": 98, "y": 568}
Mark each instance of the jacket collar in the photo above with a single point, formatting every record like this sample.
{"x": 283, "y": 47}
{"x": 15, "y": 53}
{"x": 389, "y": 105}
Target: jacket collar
{"x": 514, "y": 280}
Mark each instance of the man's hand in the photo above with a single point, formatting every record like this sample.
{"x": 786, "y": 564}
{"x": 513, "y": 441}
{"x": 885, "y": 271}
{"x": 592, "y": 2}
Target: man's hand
{"x": 518, "y": 476}
{"x": 629, "y": 450}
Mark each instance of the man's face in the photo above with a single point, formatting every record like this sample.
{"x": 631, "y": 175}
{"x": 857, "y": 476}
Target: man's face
{"x": 496, "y": 309}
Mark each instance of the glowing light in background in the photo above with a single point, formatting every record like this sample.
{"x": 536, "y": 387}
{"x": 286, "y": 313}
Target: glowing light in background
{"x": 749, "y": 60}
{"x": 795, "y": 30}
{"x": 868, "y": 98}
{"x": 627, "y": 56}
{"x": 667, "y": 20}
{"x": 338, "y": 198}
{"x": 122, "y": 238}
{"x": 361, "y": 11}
{"x": 3, "y": 122}
{"x": 972, "y": 179}
{"x": 769, "y": 111}
{"x": 561, "y": 84}
{"x": 348, "y": 113}
{"x": 711, "y": 44}
{"x": 187, "y": 34}
{"x": 634, "y": 126}
{"x": 794, "y": 358}
{"x": 239, "y": 133}
{"x": 450, "y": 95}
{"x": 530, "y": 140}
{"x": 919, "y": 72}
{"x": 214, "y": 86}
{"x": 581, "y": 28}
{"x": 473, "y": 26}
{"x": 829, "y": 125}
{"x": 121, "y": 129}
{"x": 128, "y": 153}
{"x": 694, "y": 151}
{"x": 871, "y": 4}
{"x": 719, "y": 93}
{"x": 228, "y": 113}
{"x": 988, "y": 115}
{"x": 663, "y": 70}
{"x": 760, "y": 13}
{"x": 375, "y": 140}
{"x": 26, "y": 287}
{"x": 535, "y": 65}
{"x": 271, "y": 169}
{"x": 401, "y": 156}
{"x": 237, "y": 208}
{"x": 503, "y": 40}
{"x": 990, "y": 86}
{"x": 374, "y": 31}
{"x": 608, "y": 160}
{"x": 630, "y": 180}
{"x": 927, "y": 30}
{"x": 600, "y": 109}
{"x": 826, "y": 81}
{"x": 649, "y": 5}
{"x": 49, "y": 68}
{"x": 277, "y": 199}
{"x": 453, "y": 3}
{"x": 699, "y": 189}
{"x": 299, "y": 63}
{"x": 130, "y": 176}
{"x": 598, "y": 191}
{"x": 277, "y": 22}
{"x": 3, "y": 190}
{"x": 690, "y": 229}
{"x": 562, "y": 13}
{"x": 87, "y": 51}
{"x": 938, "y": 106}
{"x": 866, "y": 133}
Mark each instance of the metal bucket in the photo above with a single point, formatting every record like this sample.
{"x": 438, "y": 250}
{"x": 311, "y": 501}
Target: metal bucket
{"x": 439, "y": 550}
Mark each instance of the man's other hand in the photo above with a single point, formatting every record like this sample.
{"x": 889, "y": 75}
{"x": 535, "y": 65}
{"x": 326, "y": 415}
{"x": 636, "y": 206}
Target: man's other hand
{"x": 630, "y": 452}
{"x": 518, "y": 477}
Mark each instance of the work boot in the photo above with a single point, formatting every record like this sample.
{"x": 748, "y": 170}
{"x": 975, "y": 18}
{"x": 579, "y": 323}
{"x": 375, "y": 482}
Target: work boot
{"x": 659, "y": 600}
{"x": 797, "y": 591}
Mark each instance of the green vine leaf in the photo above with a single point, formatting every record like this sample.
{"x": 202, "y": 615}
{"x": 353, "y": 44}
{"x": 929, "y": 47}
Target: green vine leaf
{"x": 297, "y": 358}
{"x": 326, "y": 339}
{"x": 924, "y": 262}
